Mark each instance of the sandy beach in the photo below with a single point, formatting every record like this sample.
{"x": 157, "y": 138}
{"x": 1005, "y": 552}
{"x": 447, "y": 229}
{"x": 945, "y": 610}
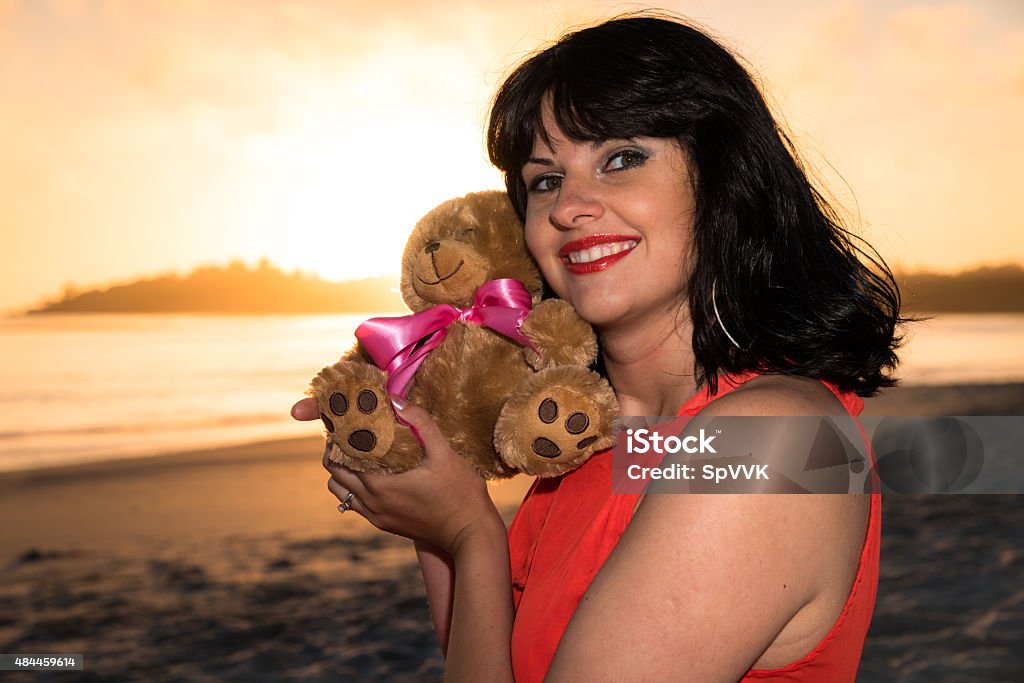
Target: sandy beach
{"x": 232, "y": 564}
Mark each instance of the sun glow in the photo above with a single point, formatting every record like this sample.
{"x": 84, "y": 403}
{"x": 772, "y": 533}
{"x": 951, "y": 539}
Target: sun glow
{"x": 353, "y": 160}
{"x": 340, "y": 200}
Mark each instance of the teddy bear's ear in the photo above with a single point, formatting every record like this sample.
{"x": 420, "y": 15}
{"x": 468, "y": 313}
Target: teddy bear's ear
{"x": 501, "y": 236}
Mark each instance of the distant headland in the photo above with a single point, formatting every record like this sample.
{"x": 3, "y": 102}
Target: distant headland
{"x": 238, "y": 288}
{"x": 235, "y": 288}
{"x": 992, "y": 289}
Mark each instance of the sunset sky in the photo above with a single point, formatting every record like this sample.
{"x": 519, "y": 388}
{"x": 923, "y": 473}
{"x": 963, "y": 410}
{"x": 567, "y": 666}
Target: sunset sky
{"x": 138, "y": 137}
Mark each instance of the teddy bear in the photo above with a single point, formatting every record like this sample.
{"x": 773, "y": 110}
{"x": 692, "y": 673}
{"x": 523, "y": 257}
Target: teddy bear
{"x": 503, "y": 373}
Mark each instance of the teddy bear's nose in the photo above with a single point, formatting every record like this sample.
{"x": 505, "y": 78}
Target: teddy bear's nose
{"x": 432, "y": 247}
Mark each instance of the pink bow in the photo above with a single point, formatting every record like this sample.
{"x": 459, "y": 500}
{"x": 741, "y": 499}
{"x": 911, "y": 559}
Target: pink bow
{"x": 399, "y": 345}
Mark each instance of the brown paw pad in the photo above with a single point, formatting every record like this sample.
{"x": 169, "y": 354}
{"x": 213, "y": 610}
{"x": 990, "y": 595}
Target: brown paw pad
{"x": 338, "y": 404}
{"x": 362, "y": 440}
{"x": 548, "y": 411}
{"x": 366, "y": 401}
{"x": 577, "y": 423}
{"x": 545, "y": 448}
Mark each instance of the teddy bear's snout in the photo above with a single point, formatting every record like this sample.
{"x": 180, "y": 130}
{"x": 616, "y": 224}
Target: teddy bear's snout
{"x": 441, "y": 264}
{"x": 448, "y": 271}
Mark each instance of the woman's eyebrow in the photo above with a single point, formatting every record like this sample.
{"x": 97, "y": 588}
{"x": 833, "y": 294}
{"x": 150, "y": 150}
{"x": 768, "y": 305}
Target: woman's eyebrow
{"x": 594, "y": 145}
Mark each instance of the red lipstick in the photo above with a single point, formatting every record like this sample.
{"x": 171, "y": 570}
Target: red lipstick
{"x": 589, "y": 242}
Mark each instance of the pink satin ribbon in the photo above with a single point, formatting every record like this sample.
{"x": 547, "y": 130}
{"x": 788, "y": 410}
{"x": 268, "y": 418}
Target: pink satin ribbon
{"x": 399, "y": 345}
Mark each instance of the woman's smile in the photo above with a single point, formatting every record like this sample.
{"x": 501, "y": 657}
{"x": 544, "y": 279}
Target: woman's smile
{"x": 595, "y": 253}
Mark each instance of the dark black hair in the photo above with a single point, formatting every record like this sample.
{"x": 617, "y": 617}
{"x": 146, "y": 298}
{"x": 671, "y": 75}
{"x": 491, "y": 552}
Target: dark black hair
{"x": 797, "y": 293}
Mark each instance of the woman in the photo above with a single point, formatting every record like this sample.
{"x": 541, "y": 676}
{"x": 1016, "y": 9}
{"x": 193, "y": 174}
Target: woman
{"x": 661, "y": 199}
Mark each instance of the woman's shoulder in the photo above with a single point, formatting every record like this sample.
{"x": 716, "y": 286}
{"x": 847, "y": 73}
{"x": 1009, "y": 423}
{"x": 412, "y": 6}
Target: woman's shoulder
{"x": 789, "y": 418}
{"x": 798, "y": 554}
{"x": 774, "y": 394}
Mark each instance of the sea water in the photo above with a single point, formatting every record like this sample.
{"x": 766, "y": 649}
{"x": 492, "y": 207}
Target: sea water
{"x": 77, "y": 388}
{"x": 87, "y": 387}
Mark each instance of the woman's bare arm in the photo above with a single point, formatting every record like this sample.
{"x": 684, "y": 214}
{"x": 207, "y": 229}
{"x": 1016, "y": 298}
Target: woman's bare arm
{"x": 481, "y": 626}
{"x": 438, "y": 571}
{"x": 462, "y": 544}
{"x": 476, "y": 551}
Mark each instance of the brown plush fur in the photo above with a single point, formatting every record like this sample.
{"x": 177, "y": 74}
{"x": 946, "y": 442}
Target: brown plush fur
{"x": 544, "y": 415}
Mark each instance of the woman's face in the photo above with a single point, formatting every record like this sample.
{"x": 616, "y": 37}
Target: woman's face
{"x": 610, "y": 225}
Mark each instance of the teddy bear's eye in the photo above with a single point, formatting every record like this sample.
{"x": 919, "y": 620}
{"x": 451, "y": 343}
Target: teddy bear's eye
{"x": 468, "y": 231}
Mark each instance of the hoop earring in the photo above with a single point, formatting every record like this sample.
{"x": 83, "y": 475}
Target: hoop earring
{"x": 718, "y": 317}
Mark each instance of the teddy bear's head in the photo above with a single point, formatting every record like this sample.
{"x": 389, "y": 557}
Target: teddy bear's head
{"x": 462, "y": 244}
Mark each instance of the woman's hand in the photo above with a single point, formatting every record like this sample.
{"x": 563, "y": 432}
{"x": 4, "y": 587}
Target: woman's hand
{"x": 440, "y": 502}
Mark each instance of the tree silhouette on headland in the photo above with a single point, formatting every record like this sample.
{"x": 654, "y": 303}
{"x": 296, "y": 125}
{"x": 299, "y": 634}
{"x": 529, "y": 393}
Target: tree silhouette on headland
{"x": 235, "y": 288}
{"x": 991, "y": 289}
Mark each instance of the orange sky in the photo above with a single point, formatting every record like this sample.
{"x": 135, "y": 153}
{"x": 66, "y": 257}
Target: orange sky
{"x": 141, "y": 137}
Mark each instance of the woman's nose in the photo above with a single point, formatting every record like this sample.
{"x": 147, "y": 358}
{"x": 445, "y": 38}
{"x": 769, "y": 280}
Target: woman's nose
{"x": 578, "y": 203}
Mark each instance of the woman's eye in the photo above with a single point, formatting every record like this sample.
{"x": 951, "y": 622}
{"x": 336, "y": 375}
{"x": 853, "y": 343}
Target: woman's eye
{"x": 546, "y": 183}
{"x": 628, "y": 158}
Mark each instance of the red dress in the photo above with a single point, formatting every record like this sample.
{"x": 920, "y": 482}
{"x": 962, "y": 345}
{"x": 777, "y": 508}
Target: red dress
{"x": 567, "y": 527}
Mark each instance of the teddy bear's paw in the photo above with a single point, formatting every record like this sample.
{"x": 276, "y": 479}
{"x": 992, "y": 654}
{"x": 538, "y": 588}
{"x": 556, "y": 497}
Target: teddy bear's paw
{"x": 356, "y": 414}
{"x": 359, "y": 431}
{"x": 555, "y": 421}
{"x": 559, "y": 334}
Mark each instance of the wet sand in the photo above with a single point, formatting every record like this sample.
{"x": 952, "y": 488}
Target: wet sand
{"x": 233, "y": 565}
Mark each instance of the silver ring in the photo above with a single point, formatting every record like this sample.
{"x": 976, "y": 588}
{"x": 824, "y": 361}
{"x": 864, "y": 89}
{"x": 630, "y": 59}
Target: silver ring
{"x": 346, "y": 504}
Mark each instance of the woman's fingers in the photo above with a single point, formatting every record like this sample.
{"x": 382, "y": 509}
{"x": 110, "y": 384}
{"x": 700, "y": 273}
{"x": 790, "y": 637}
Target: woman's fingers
{"x": 351, "y": 480}
{"x": 306, "y": 409}
{"x": 339, "y": 491}
{"x": 345, "y": 477}
{"x": 421, "y": 424}
{"x": 343, "y": 494}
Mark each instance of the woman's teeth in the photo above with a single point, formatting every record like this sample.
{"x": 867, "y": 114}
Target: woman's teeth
{"x": 595, "y": 253}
